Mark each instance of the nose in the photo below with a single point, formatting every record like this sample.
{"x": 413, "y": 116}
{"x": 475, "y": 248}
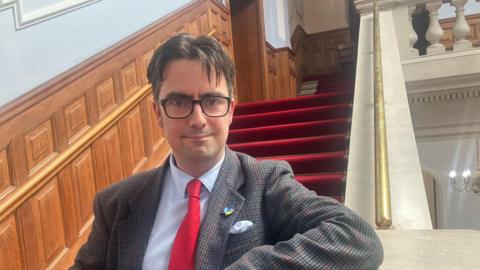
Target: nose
{"x": 198, "y": 118}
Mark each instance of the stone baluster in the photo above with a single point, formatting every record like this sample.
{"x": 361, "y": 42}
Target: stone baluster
{"x": 412, "y": 35}
{"x": 434, "y": 32}
{"x": 461, "y": 27}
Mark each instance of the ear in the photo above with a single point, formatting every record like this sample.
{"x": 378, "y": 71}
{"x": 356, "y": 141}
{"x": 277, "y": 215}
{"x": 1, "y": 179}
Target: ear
{"x": 158, "y": 113}
{"x": 231, "y": 111}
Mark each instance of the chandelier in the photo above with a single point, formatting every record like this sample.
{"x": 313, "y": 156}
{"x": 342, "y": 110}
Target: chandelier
{"x": 467, "y": 183}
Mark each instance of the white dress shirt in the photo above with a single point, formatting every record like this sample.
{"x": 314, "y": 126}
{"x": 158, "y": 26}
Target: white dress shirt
{"x": 172, "y": 210}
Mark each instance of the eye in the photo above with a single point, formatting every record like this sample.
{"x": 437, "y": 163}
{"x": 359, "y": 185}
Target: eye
{"x": 178, "y": 102}
{"x": 211, "y": 101}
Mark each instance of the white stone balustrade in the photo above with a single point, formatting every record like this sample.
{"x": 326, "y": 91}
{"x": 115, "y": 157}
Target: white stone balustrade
{"x": 461, "y": 27}
{"x": 412, "y": 35}
{"x": 434, "y": 32}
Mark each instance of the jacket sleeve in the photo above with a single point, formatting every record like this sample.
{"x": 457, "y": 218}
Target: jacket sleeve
{"x": 313, "y": 232}
{"x": 92, "y": 255}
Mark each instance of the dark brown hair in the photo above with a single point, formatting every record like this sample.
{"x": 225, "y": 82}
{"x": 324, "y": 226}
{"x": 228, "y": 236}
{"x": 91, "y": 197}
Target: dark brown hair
{"x": 203, "y": 48}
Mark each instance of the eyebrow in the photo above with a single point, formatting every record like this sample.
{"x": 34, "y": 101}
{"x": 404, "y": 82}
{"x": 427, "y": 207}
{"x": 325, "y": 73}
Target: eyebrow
{"x": 176, "y": 94}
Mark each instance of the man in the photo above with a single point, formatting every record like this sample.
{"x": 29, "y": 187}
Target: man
{"x": 208, "y": 207}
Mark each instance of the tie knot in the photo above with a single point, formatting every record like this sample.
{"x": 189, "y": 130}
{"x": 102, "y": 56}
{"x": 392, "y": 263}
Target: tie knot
{"x": 194, "y": 187}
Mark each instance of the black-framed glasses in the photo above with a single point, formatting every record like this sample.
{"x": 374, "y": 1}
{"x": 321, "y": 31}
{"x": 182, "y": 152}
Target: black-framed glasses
{"x": 182, "y": 107}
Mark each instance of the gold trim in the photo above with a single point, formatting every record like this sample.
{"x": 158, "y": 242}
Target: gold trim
{"x": 383, "y": 212}
{"x": 24, "y": 192}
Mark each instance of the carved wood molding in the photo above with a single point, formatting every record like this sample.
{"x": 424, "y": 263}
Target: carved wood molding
{"x": 25, "y": 16}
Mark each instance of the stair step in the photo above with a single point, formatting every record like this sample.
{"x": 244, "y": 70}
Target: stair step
{"x": 327, "y": 184}
{"x": 293, "y": 146}
{"x": 291, "y": 116}
{"x": 309, "y": 85}
{"x": 315, "y": 163}
{"x": 302, "y": 129}
{"x": 294, "y": 103}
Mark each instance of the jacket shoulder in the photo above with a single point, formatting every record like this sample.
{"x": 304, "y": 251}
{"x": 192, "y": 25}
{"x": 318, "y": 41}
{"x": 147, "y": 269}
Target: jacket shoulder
{"x": 262, "y": 167}
{"x": 129, "y": 188}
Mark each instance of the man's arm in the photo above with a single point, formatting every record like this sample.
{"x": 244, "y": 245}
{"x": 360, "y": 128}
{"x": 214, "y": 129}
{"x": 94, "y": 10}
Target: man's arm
{"x": 313, "y": 232}
{"x": 92, "y": 254}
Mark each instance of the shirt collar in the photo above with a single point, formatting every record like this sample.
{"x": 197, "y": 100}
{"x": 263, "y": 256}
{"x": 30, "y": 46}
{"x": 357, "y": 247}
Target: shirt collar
{"x": 181, "y": 179}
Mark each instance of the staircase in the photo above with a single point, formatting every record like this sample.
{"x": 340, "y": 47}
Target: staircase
{"x": 310, "y": 132}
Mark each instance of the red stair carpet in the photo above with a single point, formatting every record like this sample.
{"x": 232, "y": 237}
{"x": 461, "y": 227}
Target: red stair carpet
{"x": 310, "y": 132}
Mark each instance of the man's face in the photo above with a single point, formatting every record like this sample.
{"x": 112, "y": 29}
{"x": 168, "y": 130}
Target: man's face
{"x": 197, "y": 138}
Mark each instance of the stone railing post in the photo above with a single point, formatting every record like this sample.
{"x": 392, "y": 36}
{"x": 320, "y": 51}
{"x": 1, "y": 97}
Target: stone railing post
{"x": 434, "y": 31}
{"x": 461, "y": 27}
{"x": 412, "y": 35}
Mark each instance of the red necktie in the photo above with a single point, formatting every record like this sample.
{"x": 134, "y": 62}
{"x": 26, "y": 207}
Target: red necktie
{"x": 185, "y": 245}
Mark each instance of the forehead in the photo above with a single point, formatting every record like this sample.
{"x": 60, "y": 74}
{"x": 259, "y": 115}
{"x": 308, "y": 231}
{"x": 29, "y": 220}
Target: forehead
{"x": 190, "y": 78}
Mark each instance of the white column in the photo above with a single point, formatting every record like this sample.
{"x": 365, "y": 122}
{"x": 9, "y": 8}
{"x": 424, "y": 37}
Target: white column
{"x": 434, "y": 32}
{"x": 461, "y": 27}
{"x": 412, "y": 35}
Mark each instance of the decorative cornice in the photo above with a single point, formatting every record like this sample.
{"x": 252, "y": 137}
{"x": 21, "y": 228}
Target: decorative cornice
{"x": 444, "y": 96}
{"x": 443, "y": 131}
{"x": 366, "y": 6}
{"x": 24, "y": 18}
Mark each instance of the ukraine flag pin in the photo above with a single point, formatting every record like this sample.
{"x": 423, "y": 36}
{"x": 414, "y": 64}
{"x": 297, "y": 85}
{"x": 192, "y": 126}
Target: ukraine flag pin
{"x": 227, "y": 211}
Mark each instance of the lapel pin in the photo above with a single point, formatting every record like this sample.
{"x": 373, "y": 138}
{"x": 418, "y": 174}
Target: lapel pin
{"x": 227, "y": 211}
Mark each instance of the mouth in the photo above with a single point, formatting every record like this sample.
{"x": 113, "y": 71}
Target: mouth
{"x": 198, "y": 137}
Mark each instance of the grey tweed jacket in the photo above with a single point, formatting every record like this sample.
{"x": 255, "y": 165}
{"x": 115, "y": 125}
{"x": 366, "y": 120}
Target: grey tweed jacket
{"x": 293, "y": 227}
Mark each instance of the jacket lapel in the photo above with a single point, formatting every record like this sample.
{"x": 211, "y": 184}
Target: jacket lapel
{"x": 214, "y": 230}
{"x": 134, "y": 231}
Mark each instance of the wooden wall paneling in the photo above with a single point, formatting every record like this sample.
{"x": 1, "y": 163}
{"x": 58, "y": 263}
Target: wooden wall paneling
{"x": 286, "y": 73}
{"x": 83, "y": 180}
{"x": 11, "y": 255}
{"x": 299, "y": 48}
{"x": 7, "y": 177}
{"x": 40, "y": 145}
{"x": 145, "y": 61}
{"x": 193, "y": 27}
{"x": 105, "y": 100}
{"x": 68, "y": 199}
{"x": 19, "y": 159}
{"x": 132, "y": 139}
{"x": 130, "y": 81}
{"x": 43, "y": 227}
{"x": 77, "y": 118}
{"x": 153, "y": 132}
{"x": 109, "y": 167}
{"x": 271, "y": 72}
{"x": 204, "y": 22}
{"x": 281, "y": 72}
{"x": 322, "y": 49}
{"x": 250, "y": 53}
{"x": 77, "y": 189}
{"x": 293, "y": 74}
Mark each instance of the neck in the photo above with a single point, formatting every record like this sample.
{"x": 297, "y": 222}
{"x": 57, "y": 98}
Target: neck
{"x": 196, "y": 167}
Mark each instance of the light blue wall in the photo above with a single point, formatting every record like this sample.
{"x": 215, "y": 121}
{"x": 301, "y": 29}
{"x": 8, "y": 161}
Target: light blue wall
{"x": 273, "y": 23}
{"x": 33, "y": 55}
